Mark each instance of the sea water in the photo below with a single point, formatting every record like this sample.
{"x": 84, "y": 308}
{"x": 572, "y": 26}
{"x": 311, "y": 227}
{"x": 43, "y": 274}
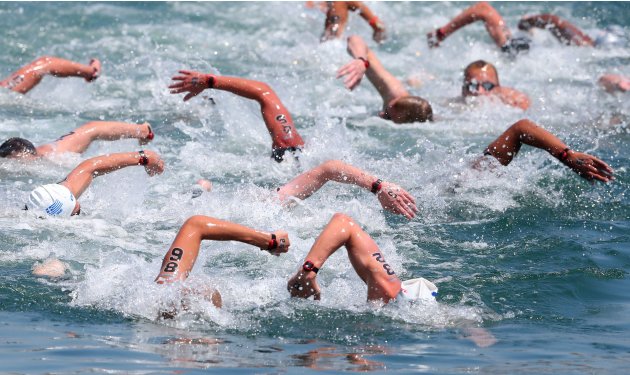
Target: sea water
{"x": 531, "y": 261}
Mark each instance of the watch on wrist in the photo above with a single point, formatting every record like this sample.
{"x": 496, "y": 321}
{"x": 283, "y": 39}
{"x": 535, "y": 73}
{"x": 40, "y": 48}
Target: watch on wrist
{"x": 308, "y": 266}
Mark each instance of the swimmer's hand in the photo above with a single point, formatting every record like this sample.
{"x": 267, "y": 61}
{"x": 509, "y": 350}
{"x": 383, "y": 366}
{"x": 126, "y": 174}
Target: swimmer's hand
{"x": 96, "y": 66}
{"x": 589, "y": 167}
{"x": 614, "y": 82}
{"x": 395, "y": 199}
{"x": 156, "y": 164}
{"x": 379, "y": 35}
{"x": 304, "y": 285}
{"x": 354, "y": 72}
{"x": 191, "y": 82}
{"x": 282, "y": 243}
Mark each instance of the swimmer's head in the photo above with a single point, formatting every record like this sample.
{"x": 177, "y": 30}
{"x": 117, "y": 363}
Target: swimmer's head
{"x": 53, "y": 200}
{"x": 480, "y": 77}
{"x": 17, "y": 148}
{"x": 408, "y": 109}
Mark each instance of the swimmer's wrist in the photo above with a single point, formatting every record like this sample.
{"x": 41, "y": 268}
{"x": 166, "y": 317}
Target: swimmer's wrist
{"x": 143, "y": 159}
{"x": 365, "y": 61}
{"x": 563, "y": 155}
{"x": 376, "y": 186}
{"x": 210, "y": 81}
{"x": 376, "y": 23}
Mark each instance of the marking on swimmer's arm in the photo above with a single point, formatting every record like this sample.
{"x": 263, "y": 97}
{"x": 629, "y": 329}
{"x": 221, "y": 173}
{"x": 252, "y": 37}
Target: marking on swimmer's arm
{"x": 176, "y": 256}
{"x": 64, "y": 136}
{"x": 379, "y": 258}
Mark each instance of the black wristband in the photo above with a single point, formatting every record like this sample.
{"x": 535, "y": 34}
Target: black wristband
{"x": 210, "y": 81}
{"x": 376, "y": 186}
{"x": 564, "y": 154}
{"x": 308, "y": 266}
{"x": 144, "y": 160}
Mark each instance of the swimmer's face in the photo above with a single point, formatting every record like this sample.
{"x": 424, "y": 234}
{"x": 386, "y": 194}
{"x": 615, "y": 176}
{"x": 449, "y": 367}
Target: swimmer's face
{"x": 24, "y": 155}
{"x": 480, "y": 81}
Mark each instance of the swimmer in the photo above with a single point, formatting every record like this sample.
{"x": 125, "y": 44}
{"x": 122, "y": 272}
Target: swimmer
{"x": 366, "y": 259}
{"x": 482, "y": 79}
{"x": 508, "y": 144}
{"x": 337, "y": 19}
{"x": 181, "y": 256}
{"x": 61, "y": 199}
{"x": 284, "y": 134}
{"x": 398, "y": 105}
{"x": 77, "y": 140}
{"x": 615, "y": 83}
{"x": 27, "y": 77}
{"x": 392, "y": 197}
{"x": 563, "y": 30}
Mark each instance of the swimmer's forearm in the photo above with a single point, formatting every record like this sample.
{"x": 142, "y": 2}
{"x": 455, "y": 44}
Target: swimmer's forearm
{"x": 113, "y": 130}
{"x": 246, "y": 88}
{"x": 219, "y": 230}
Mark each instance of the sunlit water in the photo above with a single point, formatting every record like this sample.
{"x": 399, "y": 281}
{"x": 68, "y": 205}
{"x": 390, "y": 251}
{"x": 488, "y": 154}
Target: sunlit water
{"x": 531, "y": 253}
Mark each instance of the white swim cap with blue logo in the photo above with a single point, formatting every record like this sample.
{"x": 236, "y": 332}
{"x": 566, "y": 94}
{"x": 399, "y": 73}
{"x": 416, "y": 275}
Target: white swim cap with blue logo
{"x": 419, "y": 288}
{"x": 53, "y": 199}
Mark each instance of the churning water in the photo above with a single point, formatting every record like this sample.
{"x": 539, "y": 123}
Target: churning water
{"x": 530, "y": 253}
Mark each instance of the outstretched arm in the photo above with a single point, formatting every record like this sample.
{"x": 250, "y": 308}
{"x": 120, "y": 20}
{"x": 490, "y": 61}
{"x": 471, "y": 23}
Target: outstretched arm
{"x": 505, "y": 148}
{"x": 364, "y": 255}
{"x": 375, "y": 23}
{"x": 560, "y": 28}
{"x": 366, "y": 62}
{"x": 277, "y": 118}
{"x": 81, "y": 177}
{"x": 181, "y": 256}
{"x": 392, "y": 197}
{"x": 80, "y": 139}
{"x": 614, "y": 82}
{"x": 30, "y": 75}
{"x": 481, "y": 11}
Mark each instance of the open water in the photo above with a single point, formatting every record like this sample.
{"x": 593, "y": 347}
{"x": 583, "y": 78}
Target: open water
{"x": 530, "y": 254}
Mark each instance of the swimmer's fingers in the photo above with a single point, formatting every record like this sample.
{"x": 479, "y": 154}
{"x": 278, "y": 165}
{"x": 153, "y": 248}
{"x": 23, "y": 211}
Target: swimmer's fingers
{"x": 178, "y": 90}
{"x": 190, "y": 95}
{"x": 602, "y": 166}
{"x": 406, "y": 211}
{"x": 408, "y": 202}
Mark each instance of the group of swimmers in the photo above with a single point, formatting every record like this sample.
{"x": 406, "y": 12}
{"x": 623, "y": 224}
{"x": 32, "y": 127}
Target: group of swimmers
{"x": 480, "y": 79}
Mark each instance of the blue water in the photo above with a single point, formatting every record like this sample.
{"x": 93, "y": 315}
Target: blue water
{"x": 529, "y": 254}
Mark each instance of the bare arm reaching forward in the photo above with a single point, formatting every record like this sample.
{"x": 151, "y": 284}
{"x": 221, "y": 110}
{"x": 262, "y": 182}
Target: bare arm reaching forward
{"x": 507, "y": 145}
{"x": 276, "y": 116}
{"x": 181, "y": 256}
{"x": 392, "y": 197}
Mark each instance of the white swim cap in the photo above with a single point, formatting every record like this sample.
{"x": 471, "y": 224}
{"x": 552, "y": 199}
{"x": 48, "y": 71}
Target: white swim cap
{"x": 53, "y": 199}
{"x": 419, "y": 288}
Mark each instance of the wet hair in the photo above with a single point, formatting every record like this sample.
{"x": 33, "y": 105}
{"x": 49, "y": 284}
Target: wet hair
{"x": 480, "y": 65}
{"x": 414, "y": 108}
{"x": 16, "y": 146}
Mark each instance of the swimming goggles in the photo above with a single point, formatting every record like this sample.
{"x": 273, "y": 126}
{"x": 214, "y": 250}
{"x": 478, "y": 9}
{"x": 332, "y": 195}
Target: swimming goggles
{"x": 474, "y": 86}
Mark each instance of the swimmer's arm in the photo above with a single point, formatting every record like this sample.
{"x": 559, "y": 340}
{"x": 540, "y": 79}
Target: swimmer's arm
{"x": 81, "y": 177}
{"x": 276, "y": 116}
{"x": 181, "y": 256}
{"x": 512, "y": 97}
{"x": 614, "y": 82}
{"x": 388, "y": 86}
{"x": 336, "y": 20}
{"x": 80, "y": 139}
{"x": 391, "y": 196}
{"x": 562, "y": 29}
{"x": 505, "y": 148}
{"x": 375, "y": 23}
